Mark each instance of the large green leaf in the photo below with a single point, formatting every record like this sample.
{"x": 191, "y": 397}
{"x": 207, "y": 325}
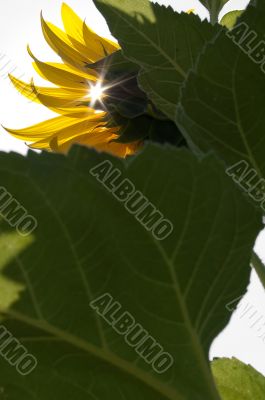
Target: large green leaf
{"x": 238, "y": 381}
{"x": 88, "y": 244}
{"x": 164, "y": 43}
{"x": 223, "y": 102}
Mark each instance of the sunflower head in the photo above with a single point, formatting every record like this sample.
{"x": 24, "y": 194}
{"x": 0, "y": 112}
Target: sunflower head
{"x": 94, "y": 92}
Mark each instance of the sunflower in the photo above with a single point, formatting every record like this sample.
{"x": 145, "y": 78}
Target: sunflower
{"x": 95, "y": 93}
{"x": 82, "y": 95}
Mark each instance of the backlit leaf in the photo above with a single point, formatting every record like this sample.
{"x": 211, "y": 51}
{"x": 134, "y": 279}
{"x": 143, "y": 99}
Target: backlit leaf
{"x": 88, "y": 244}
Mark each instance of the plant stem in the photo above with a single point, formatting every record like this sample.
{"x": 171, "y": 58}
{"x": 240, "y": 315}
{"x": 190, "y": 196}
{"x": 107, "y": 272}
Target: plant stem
{"x": 259, "y": 267}
{"x": 214, "y": 12}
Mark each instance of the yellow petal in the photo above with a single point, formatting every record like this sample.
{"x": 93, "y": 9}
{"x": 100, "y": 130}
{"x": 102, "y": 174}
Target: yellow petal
{"x": 58, "y": 134}
{"x": 48, "y": 128}
{"x": 83, "y": 37}
{"x": 60, "y": 43}
{"x": 26, "y": 89}
{"x": 73, "y": 24}
{"x": 62, "y": 101}
{"x": 74, "y": 31}
{"x": 102, "y": 140}
{"x": 74, "y": 112}
{"x": 29, "y": 90}
{"x": 99, "y": 138}
{"x": 62, "y": 75}
{"x": 58, "y": 102}
{"x": 71, "y": 133}
{"x": 106, "y": 45}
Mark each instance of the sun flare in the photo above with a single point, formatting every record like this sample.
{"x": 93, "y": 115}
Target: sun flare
{"x": 96, "y": 93}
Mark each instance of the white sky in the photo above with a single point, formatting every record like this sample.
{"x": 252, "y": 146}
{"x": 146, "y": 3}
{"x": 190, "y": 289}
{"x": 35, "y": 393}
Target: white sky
{"x": 20, "y": 25}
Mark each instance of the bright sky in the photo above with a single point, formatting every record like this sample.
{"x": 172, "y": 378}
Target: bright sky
{"x": 20, "y": 25}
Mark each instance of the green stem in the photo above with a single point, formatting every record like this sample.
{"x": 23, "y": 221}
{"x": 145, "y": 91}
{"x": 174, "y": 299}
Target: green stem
{"x": 214, "y": 13}
{"x": 259, "y": 267}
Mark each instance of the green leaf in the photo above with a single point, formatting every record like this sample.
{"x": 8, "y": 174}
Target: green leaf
{"x": 11, "y": 245}
{"x": 238, "y": 381}
{"x": 222, "y": 106}
{"x": 88, "y": 244}
{"x": 229, "y": 19}
{"x": 164, "y": 43}
{"x": 114, "y": 65}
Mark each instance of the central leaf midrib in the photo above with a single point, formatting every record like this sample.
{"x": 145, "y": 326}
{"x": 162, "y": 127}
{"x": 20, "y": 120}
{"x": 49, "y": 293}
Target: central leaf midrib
{"x": 102, "y": 354}
{"x": 241, "y": 130}
{"x": 193, "y": 335}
